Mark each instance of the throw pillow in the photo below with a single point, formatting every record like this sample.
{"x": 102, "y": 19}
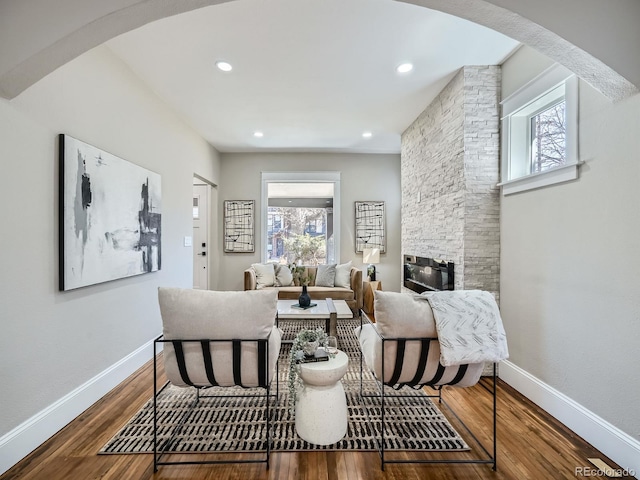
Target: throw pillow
{"x": 284, "y": 277}
{"x": 343, "y": 275}
{"x": 265, "y": 274}
{"x": 403, "y": 315}
{"x": 326, "y": 275}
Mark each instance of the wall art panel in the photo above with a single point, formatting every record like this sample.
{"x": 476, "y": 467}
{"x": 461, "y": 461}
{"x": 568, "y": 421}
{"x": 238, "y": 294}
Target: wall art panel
{"x": 238, "y": 226}
{"x": 370, "y": 226}
{"x": 110, "y": 216}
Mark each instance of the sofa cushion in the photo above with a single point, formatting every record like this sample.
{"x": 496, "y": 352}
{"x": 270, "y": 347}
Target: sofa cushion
{"x": 284, "y": 277}
{"x": 343, "y": 275}
{"x": 326, "y": 275}
{"x": 265, "y": 274}
{"x": 316, "y": 293}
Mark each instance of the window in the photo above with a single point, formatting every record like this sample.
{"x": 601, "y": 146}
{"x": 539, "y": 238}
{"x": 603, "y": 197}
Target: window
{"x": 539, "y": 132}
{"x": 196, "y": 208}
{"x": 301, "y": 239}
{"x": 300, "y": 225}
{"x": 315, "y": 226}
{"x": 548, "y": 138}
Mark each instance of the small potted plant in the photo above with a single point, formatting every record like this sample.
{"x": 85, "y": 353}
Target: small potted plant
{"x": 306, "y": 343}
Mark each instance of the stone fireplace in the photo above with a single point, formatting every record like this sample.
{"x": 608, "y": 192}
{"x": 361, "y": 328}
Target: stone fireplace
{"x": 449, "y": 171}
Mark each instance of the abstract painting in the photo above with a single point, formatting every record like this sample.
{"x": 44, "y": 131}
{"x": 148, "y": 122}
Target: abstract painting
{"x": 238, "y": 226}
{"x": 370, "y": 226}
{"x": 110, "y": 216}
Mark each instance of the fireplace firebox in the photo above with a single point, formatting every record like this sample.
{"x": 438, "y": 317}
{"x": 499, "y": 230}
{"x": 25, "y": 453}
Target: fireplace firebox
{"x": 423, "y": 274}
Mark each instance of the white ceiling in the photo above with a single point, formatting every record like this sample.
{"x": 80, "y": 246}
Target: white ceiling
{"x": 313, "y": 75}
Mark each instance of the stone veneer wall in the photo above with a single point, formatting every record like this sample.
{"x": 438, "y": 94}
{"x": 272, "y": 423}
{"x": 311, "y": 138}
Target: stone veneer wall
{"x": 449, "y": 172}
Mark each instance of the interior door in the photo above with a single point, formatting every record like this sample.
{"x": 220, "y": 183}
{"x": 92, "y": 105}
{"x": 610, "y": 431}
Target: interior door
{"x": 201, "y": 237}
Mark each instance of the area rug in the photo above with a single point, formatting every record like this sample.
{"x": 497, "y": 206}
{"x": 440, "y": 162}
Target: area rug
{"x": 236, "y": 424}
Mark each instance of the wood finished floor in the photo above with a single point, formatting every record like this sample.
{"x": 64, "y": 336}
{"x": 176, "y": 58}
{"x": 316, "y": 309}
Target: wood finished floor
{"x": 531, "y": 444}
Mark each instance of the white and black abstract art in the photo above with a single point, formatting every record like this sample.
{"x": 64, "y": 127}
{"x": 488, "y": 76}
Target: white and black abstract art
{"x": 238, "y": 226}
{"x": 370, "y": 226}
{"x": 110, "y": 216}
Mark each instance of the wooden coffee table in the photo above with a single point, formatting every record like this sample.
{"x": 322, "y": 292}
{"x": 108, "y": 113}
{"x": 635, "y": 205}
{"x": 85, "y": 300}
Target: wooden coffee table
{"x": 328, "y": 309}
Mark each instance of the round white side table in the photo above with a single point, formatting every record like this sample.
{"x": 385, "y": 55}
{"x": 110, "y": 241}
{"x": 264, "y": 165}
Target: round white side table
{"x": 321, "y": 409}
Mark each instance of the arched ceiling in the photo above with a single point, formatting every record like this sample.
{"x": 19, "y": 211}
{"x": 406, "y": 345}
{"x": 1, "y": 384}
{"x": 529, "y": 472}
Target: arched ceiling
{"x": 593, "y": 38}
{"x": 597, "y": 39}
{"x": 38, "y": 36}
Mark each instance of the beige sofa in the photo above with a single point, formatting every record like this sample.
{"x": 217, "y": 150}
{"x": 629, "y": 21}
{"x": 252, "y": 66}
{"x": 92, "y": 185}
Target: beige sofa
{"x": 353, "y": 296}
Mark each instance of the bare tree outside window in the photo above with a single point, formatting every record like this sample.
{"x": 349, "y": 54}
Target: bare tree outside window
{"x": 548, "y": 142}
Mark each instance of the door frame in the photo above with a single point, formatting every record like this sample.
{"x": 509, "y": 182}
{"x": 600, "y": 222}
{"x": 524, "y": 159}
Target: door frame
{"x": 212, "y": 228}
{"x": 300, "y": 177}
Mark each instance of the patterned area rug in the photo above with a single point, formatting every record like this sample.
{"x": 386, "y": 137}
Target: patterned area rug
{"x": 233, "y": 423}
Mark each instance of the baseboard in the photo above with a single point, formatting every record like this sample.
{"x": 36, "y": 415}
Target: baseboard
{"x": 22, "y": 440}
{"x": 610, "y": 440}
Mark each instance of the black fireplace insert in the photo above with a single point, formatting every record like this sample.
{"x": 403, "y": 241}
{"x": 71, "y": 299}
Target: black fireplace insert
{"x": 423, "y": 274}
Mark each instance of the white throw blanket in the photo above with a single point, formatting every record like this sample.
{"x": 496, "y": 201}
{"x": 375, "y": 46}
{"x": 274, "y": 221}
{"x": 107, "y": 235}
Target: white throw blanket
{"x": 469, "y": 327}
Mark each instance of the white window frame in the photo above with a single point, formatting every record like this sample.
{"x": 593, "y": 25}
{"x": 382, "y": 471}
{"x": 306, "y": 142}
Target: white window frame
{"x": 540, "y": 92}
{"x": 300, "y": 177}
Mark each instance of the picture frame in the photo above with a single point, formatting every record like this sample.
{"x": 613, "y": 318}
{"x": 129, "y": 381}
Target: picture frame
{"x": 370, "y": 230}
{"x": 239, "y": 224}
{"x": 110, "y": 216}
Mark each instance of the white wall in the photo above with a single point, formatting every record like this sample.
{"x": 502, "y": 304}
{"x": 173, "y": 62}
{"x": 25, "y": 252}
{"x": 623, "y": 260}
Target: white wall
{"x": 520, "y": 68}
{"x": 53, "y": 342}
{"x": 570, "y": 262}
{"x": 607, "y": 30}
{"x": 363, "y": 177}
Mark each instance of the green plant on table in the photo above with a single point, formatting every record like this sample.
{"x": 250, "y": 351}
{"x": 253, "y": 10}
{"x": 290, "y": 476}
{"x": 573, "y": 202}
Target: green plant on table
{"x": 296, "y": 356}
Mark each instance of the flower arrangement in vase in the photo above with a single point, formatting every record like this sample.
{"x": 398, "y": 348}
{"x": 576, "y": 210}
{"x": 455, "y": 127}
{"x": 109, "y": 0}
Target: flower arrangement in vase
{"x": 307, "y": 341}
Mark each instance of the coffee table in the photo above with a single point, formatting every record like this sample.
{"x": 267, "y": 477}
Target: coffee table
{"x": 327, "y": 309}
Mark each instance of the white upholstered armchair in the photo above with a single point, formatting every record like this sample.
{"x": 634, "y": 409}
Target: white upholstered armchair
{"x": 402, "y": 349}
{"x": 218, "y": 339}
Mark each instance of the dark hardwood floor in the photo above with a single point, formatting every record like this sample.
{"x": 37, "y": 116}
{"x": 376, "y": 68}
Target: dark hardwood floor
{"x": 531, "y": 444}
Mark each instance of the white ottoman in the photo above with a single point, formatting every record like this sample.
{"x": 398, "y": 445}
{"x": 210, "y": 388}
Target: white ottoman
{"x": 321, "y": 409}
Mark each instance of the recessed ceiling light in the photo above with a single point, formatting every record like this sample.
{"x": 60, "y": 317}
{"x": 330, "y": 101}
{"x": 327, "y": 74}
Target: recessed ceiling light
{"x": 258, "y": 134}
{"x": 404, "y": 68}
{"x": 367, "y": 134}
{"x": 224, "y": 66}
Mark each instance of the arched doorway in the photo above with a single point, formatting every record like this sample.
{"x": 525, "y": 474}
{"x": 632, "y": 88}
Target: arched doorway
{"x": 31, "y": 57}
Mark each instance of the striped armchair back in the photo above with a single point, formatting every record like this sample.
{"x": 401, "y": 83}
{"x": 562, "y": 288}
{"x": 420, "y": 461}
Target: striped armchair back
{"x": 219, "y": 338}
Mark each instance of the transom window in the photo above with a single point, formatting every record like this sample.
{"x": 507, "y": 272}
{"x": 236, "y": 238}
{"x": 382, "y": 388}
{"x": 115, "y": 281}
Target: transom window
{"x": 539, "y": 132}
